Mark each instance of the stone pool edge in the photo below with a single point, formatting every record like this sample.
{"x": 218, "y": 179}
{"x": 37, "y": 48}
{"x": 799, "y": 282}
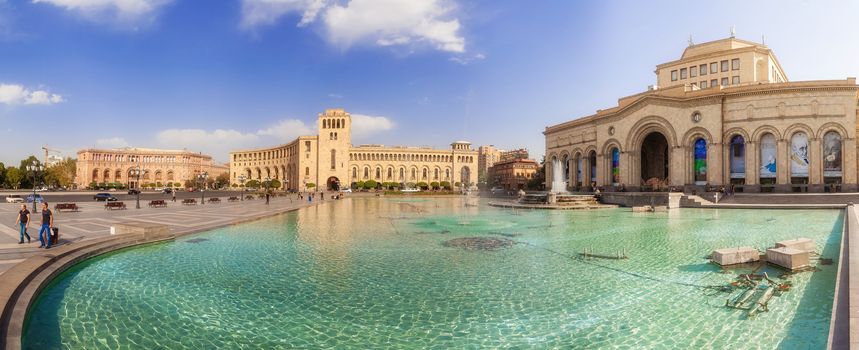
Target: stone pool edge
{"x": 23, "y": 282}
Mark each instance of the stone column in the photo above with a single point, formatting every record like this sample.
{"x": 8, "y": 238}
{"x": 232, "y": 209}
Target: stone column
{"x": 815, "y": 166}
{"x": 675, "y": 166}
{"x": 783, "y": 167}
{"x": 715, "y": 154}
{"x": 849, "y": 168}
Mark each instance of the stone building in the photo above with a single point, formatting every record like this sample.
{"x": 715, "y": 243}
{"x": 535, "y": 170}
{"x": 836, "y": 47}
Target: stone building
{"x": 486, "y": 157}
{"x": 161, "y": 167}
{"x": 329, "y": 161}
{"x": 725, "y": 113}
{"x": 513, "y": 173}
{"x": 514, "y": 154}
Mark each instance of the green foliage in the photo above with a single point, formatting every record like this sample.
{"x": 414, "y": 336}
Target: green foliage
{"x": 445, "y": 185}
{"x": 252, "y": 184}
{"x": 434, "y": 185}
{"x": 410, "y": 185}
{"x": 223, "y": 180}
{"x": 275, "y": 184}
{"x": 358, "y": 185}
{"x": 170, "y": 184}
{"x": 458, "y": 184}
{"x": 14, "y": 176}
{"x": 370, "y": 184}
{"x": 422, "y": 185}
{"x": 310, "y": 185}
{"x": 234, "y": 185}
{"x": 189, "y": 184}
{"x": 158, "y": 184}
{"x": 2, "y": 173}
{"x": 93, "y": 185}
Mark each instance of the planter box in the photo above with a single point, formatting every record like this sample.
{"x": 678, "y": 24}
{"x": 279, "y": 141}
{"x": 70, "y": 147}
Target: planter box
{"x": 788, "y": 258}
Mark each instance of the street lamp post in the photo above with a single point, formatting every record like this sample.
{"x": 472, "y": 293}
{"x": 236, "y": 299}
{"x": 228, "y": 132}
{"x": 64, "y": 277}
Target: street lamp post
{"x": 35, "y": 168}
{"x": 202, "y": 177}
{"x": 242, "y": 179}
{"x": 136, "y": 172}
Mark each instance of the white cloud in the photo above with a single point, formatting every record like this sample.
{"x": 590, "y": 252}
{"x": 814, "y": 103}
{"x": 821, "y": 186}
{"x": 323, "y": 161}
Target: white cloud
{"x": 130, "y": 12}
{"x": 465, "y": 60}
{"x": 286, "y": 130}
{"x": 113, "y": 142}
{"x": 380, "y": 22}
{"x": 365, "y": 125}
{"x": 14, "y": 94}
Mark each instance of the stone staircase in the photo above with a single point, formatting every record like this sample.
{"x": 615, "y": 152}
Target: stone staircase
{"x": 693, "y": 201}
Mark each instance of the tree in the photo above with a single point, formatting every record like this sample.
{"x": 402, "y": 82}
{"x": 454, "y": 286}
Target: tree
{"x": 14, "y": 176}
{"x": 538, "y": 181}
{"x": 359, "y": 185}
{"x": 26, "y": 181}
{"x": 189, "y": 184}
{"x": 310, "y": 185}
{"x": 434, "y": 185}
{"x": 2, "y": 173}
{"x": 370, "y": 184}
{"x": 223, "y": 180}
{"x": 275, "y": 184}
{"x": 422, "y": 185}
{"x": 445, "y": 185}
{"x": 252, "y": 184}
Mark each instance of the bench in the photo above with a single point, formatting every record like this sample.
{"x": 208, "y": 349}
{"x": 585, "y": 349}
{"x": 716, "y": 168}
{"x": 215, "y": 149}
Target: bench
{"x": 233, "y": 199}
{"x": 66, "y": 206}
{"x": 157, "y": 204}
{"x": 114, "y": 206}
{"x": 214, "y": 200}
{"x": 189, "y": 201}
{"x": 250, "y": 197}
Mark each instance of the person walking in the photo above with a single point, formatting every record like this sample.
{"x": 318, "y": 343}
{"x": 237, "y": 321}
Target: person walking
{"x": 23, "y": 222}
{"x": 47, "y": 227}
{"x": 174, "y": 195}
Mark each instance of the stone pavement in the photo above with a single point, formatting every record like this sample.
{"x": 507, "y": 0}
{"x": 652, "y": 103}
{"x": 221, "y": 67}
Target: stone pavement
{"x": 94, "y": 221}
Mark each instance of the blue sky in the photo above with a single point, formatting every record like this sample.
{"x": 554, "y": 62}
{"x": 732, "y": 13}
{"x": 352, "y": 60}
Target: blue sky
{"x": 212, "y": 76}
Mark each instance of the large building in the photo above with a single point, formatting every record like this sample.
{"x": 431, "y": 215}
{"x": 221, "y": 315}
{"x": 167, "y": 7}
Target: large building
{"x": 486, "y": 157}
{"x": 329, "y": 161}
{"x": 723, "y": 114}
{"x": 161, "y": 167}
{"x": 513, "y": 173}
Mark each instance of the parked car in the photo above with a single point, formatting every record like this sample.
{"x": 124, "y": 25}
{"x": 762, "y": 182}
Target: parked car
{"x": 133, "y": 191}
{"x": 167, "y": 190}
{"x": 497, "y": 190}
{"x": 38, "y": 198}
{"x": 14, "y": 198}
{"x": 346, "y": 190}
{"x": 41, "y": 189}
{"x": 104, "y": 197}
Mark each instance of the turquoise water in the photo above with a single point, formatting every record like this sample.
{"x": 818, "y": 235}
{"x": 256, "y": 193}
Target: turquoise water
{"x": 373, "y": 273}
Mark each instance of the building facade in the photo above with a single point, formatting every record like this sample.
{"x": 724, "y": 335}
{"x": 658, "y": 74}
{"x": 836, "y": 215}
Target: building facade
{"x": 161, "y": 167}
{"x": 513, "y": 174}
{"x": 329, "y": 161}
{"x": 486, "y": 157}
{"x": 723, "y": 114}
{"x": 514, "y": 154}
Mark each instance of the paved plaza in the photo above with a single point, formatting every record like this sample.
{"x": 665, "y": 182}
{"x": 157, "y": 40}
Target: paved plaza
{"x": 94, "y": 221}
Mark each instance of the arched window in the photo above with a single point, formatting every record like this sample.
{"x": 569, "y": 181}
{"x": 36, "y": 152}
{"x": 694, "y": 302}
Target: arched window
{"x": 738, "y": 158}
{"x": 615, "y": 166}
{"x": 414, "y": 173}
{"x": 354, "y": 173}
{"x": 402, "y": 174}
{"x": 425, "y": 174}
{"x": 832, "y": 167}
{"x": 390, "y": 173}
{"x": 592, "y": 161}
{"x": 699, "y": 161}
{"x": 378, "y": 173}
{"x": 799, "y": 157}
{"x": 580, "y": 166}
{"x": 435, "y": 174}
{"x": 366, "y": 173}
{"x": 769, "y": 154}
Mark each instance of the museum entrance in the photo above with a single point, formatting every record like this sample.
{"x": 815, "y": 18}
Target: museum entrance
{"x": 654, "y": 160}
{"x": 333, "y": 184}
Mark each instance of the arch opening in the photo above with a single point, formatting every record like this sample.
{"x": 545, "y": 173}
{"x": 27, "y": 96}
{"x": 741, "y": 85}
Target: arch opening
{"x": 654, "y": 158}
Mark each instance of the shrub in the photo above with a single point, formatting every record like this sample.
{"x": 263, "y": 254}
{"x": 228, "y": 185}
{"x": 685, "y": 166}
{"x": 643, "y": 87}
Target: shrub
{"x": 445, "y": 185}
{"x": 458, "y": 184}
{"x": 434, "y": 185}
{"x": 422, "y": 185}
{"x": 358, "y": 185}
{"x": 252, "y": 184}
{"x": 275, "y": 184}
{"x": 310, "y": 185}
{"x": 370, "y": 184}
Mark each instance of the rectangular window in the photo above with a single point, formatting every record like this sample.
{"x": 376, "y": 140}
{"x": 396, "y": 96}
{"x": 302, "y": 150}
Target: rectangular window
{"x": 735, "y": 64}
{"x": 307, "y": 144}
{"x": 725, "y": 65}
{"x": 703, "y": 69}
{"x": 714, "y": 68}
{"x": 714, "y": 83}
{"x": 735, "y": 80}
{"x": 693, "y": 72}
{"x": 703, "y": 84}
{"x": 674, "y": 75}
{"x": 725, "y": 81}
{"x": 682, "y": 73}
